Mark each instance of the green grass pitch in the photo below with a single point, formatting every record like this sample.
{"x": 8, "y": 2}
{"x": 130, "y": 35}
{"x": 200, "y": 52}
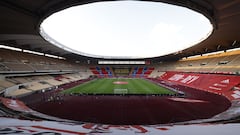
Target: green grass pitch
{"x": 110, "y": 85}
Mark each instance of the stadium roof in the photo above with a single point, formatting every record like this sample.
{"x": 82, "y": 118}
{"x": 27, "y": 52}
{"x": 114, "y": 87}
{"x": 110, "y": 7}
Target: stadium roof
{"x": 126, "y": 29}
{"x": 20, "y": 21}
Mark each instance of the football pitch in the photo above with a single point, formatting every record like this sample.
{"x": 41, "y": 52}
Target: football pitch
{"x": 118, "y": 86}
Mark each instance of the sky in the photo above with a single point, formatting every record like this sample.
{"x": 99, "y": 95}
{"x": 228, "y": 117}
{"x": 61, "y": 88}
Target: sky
{"x": 126, "y": 29}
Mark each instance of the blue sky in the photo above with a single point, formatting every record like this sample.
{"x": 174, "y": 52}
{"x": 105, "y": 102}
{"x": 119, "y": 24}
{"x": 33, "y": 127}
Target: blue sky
{"x": 133, "y": 29}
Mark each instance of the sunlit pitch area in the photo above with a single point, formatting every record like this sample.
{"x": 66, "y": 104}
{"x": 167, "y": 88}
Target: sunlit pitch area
{"x": 125, "y": 29}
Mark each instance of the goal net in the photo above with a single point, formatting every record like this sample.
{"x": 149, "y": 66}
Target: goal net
{"x": 120, "y": 91}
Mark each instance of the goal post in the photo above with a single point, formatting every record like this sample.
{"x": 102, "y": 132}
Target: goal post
{"x": 120, "y": 91}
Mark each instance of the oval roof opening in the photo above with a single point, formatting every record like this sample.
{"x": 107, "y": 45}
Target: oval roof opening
{"x": 125, "y": 29}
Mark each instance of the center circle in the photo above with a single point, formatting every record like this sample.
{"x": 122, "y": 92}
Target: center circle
{"x": 120, "y": 82}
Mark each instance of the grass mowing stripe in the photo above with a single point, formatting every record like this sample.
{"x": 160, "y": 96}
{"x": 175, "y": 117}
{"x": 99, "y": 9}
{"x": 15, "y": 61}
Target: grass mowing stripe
{"x": 107, "y": 86}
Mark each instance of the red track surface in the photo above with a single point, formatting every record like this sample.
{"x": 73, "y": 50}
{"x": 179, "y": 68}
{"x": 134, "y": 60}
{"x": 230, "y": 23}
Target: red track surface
{"x": 130, "y": 109}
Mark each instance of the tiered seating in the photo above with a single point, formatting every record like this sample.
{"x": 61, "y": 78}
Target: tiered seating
{"x": 20, "y": 79}
{"x": 83, "y": 75}
{"x": 19, "y": 92}
{"x": 19, "y": 67}
{"x": 54, "y": 82}
{"x": 156, "y": 73}
{"x": 17, "y": 61}
{"x": 6, "y": 84}
{"x": 109, "y": 71}
{"x": 236, "y": 92}
{"x": 94, "y": 71}
{"x": 3, "y": 67}
{"x": 72, "y": 77}
{"x": 227, "y": 62}
{"x": 29, "y": 84}
{"x": 141, "y": 71}
{"x": 37, "y": 86}
{"x": 227, "y": 85}
{"x": 148, "y": 71}
{"x": 62, "y": 79}
{"x": 134, "y": 71}
{"x": 1, "y": 89}
{"x": 102, "y": 71}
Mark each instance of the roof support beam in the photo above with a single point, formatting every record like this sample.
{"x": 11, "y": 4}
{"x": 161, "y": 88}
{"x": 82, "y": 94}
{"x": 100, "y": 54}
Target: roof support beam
{"x": 18, "y": 8}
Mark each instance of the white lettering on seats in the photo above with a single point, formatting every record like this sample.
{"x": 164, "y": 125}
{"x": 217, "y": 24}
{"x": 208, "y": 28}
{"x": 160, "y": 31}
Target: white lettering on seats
{"x": 176, "y": 77}
{"x": 225, "y": 81}
{"x": 189, "y": 79}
